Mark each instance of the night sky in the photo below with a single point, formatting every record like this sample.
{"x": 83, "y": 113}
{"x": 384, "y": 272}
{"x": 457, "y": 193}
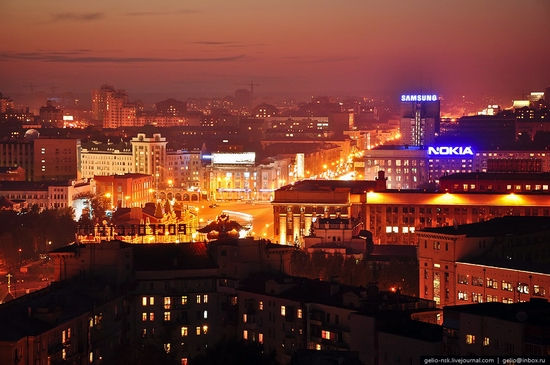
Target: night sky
{"x": 319, "y": 46}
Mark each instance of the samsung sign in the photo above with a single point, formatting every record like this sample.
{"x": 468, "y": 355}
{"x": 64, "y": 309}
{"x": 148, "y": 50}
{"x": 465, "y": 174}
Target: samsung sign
{"x": 419, "y": 97}
{"x": 450, "y": 151}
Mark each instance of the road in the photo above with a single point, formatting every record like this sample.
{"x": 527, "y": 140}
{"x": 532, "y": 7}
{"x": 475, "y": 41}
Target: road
{"x": 262, "y": 215}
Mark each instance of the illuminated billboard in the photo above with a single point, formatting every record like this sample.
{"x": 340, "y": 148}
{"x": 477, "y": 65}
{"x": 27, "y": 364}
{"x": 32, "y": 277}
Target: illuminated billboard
{"x": 243, "y": 158}
{"x": 420, "y": 97}
{"x": 450, "y": 151}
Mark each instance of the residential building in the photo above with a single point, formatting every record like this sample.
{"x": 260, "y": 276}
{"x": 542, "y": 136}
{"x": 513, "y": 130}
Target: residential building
{"x": 497, "y": 329}
{"x": 289, "y": 314}
{"x": 18, "y": 153}
{"x": 67, "y": 322}
{"x": 499, "y": 260}
{"x": 103, "y": 159}
{"x": 56, "y": 159}
{"x": 51, "y": 116}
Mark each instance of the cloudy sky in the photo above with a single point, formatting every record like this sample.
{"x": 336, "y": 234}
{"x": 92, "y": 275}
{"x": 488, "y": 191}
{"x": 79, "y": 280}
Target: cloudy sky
{"x": 317, "y": 46}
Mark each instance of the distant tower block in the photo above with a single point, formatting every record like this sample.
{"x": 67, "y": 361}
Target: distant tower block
{"x": 420, "y": 119}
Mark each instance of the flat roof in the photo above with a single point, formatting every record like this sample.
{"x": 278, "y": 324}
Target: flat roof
{"x": 502, "y": 226}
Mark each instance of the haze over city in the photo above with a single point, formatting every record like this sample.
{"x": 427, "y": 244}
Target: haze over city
{"x": 350, "y": 47}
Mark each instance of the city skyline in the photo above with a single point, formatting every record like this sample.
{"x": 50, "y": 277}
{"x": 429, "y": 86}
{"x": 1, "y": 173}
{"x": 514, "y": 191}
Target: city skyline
{"x": 353, "y": 47}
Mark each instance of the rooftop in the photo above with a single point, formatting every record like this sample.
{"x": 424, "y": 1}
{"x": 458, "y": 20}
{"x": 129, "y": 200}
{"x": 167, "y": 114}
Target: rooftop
{"x": 355, "y": 186}
{"x": 174, "y": 256}
{"x": 492, "y": 176}
{"x": 535, "y": 311}
{"x": 496, "y": 227}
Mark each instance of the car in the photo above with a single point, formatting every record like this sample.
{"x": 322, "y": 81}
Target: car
{"x": 213, "y": 205}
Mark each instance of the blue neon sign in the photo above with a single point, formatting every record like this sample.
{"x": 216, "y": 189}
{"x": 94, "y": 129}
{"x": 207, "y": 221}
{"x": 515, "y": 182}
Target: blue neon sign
{"x": 451, "y": 151}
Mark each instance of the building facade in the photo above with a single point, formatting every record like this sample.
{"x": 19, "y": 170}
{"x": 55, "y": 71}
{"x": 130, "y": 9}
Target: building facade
{"x": 47, "y": 194}
{"x": 420, "y": 119}
{"x": 409, "y": 167}
{"x": 393, "y": 216}
{"x": 57, "y": 159}
{"x": 501, "y": 260}
{"x": 128, "y": 190}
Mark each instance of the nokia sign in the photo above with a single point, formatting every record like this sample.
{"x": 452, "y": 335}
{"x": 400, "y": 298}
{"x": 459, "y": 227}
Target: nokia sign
{"x": 450, "y": 151}
{"x": 418, "y": 97}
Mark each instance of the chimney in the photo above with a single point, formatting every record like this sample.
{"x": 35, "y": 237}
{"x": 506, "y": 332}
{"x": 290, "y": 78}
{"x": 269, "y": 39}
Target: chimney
{"x": 334, "y": 285}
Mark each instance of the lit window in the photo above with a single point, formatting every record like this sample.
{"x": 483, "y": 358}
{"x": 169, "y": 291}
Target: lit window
{"x": 318, "y": 347}
{"x": 184, "y": 300}
{"x": 205, "y": 315}
{"x": 523, "y": 288}
{"x": 198, "y": 299}
{"x": 299, "y": 315}
{"x": 184, "y": 332}
{"x": 143, "y": 316}
{"x": 326, "y": 335}
{"x": 260, "y": 337}
{"x": 167, "y": 348}
{"x": 245, "y": 318}
{"x": 470, "y": 339}
{"x": 205, "y": 298}
{"x": 166, "y": 316}
{"x": 198, "y": 331}
{"x": 167, "y": 302}
{"x": 245, "y": 334}
{"x": 205, "y": 329}
{"x": 261, "y": 306}
{"x": 485, "y": 341}
{"x": 151, "y": 316}
{"x": 151, "y": 300}
{"x": 144, "y": 301}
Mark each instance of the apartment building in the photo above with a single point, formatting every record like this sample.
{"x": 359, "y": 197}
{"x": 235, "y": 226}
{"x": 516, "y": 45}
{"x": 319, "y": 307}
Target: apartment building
{"x": 497, "y": 329}
{"x": 500, "y": 260}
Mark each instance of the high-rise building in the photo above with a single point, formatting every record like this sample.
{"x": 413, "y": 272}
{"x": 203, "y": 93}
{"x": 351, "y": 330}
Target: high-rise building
{"x": 112, "y": 107}
{"x": 243, "y": 100}
{"x": 99, "y": 97}
{"x": 419, "y": 119}
{"x": 149, "y": 157}
{"x": 6, "y": 103}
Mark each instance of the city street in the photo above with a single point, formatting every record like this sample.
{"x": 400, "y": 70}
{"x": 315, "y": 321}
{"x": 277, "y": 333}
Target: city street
{"x": 261, "y": 213}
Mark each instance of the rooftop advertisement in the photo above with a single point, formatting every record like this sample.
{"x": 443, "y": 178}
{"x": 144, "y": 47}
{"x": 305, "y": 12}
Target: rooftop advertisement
{"x": 243, "y": 158}
{"x": 419, "y": 97}
{"x": 450, "y": 151}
